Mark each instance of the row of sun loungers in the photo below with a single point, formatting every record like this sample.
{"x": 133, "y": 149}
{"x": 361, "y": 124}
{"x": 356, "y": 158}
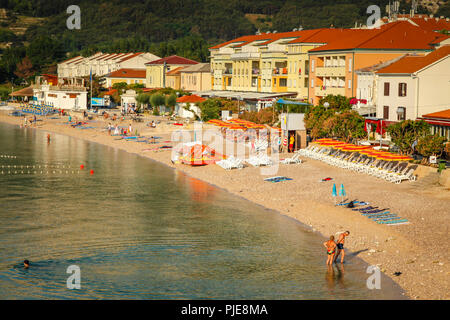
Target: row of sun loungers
{"x": 381, "y": 216}
{"x": 231, "y": 163}
{"x": 392, "y": 171}
{"x": 259, "y": 160}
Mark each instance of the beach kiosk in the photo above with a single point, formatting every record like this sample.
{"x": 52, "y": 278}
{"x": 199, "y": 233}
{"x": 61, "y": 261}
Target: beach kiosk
{"x": 293, "y": 123}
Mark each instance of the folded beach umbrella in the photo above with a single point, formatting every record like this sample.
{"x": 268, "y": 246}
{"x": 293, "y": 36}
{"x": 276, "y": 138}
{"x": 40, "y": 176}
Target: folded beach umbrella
{"x": 342, "y": 191}
{"x": 334, "y": 193}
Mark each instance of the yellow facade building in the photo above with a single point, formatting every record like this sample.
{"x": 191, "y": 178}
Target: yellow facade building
{"x": 156, "y": 76}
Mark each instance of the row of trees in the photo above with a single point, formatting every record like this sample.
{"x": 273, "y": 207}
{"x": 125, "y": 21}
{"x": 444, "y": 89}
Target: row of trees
{"x": 410, "y": 136}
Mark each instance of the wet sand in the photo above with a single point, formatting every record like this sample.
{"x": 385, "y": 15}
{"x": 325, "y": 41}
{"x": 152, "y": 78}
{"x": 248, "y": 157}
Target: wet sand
{"x": 416, "y": 249}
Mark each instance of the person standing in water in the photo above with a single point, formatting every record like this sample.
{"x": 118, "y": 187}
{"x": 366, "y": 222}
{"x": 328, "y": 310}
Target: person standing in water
{"x": 331, "y": 249}
{"x": 26, "y": 264}
{"x": 340, "y": 246}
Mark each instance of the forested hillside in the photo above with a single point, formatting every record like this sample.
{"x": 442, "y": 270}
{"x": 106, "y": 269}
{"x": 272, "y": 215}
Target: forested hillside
{"x": 164, "y": 27}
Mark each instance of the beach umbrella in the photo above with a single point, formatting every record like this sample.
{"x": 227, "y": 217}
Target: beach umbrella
{"x": 334, "y": 193}
{"x": 342, "y": 192}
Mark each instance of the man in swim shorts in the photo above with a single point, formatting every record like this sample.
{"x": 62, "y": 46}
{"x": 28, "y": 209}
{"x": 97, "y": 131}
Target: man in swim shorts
{"x": 340, "y": 246}
{"x": 331, "y": 249}
{"x": 26, "y": 264}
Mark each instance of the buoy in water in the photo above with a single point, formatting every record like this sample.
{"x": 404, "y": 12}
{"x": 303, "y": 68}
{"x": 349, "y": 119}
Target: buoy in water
{"x": 91, "y": 172}
{"x": 82, "y": 167}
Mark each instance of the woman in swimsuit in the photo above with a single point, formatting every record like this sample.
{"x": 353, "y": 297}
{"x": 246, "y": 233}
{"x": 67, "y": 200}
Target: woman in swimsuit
{"x": 331, "y": 250}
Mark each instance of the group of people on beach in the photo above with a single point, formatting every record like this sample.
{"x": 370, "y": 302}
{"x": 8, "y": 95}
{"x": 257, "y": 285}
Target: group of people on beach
{"x": 334, "y": 249}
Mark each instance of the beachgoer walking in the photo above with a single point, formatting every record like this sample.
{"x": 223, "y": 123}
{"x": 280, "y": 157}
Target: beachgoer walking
{"x": 109, "y": 128}
{"x": 48, "y": 137}
{"x": 340, "y": 246}
{"x": 331, "y": 249}
{"x": 130, "y": 130}
{"x": 116, "y": 130}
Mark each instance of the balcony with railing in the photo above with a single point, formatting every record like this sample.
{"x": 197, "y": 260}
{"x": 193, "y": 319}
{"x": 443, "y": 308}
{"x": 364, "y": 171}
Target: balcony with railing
{"x": 280, "y": 71}
{"x": 331, "y": 71}
{"x": 324, "y": 91}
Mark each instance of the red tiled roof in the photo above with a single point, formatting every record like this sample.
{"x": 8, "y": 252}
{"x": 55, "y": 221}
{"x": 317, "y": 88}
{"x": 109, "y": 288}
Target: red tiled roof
{"x": 411, "y": 64}
{"x": 425, "y": 22}
{"x": 269, "y": 37}
{"x": 110, "y": 92}
{"x": 173, "y": 60}
{"x": 190, "y": 99}
{"x": 445, "y": 114}
{"x": 130, "y": 56}
{"x": 175, "y": 71}
{"x": 127, "y": 73}
{"x": 396, "y": 35}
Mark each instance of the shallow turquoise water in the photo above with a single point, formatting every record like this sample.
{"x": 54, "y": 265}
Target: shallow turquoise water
{"x": 140, "y": 230}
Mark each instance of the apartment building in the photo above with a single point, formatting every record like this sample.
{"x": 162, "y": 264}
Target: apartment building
{"x": 196, "y": 77}
{"x": 157, "y": 70}
{"x": 311, "y": 64}
{"x": 128, "y": 75}
{"x": 333, "y": 65}
{"x": 103, "y": 63}
{"x": 414, "y": 86}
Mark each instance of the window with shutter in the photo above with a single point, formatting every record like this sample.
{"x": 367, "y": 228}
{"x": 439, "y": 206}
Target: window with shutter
{"x": 402, "y": 89}
{"x": 386, "y": 88}
{"x": 385, "y": 112}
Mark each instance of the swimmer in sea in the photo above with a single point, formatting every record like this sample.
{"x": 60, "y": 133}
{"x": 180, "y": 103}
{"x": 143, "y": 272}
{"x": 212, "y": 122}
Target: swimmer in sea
{"x": 331, "y": 249}
{"x": 340, "y": 246}
{"x": 26, "y": 264}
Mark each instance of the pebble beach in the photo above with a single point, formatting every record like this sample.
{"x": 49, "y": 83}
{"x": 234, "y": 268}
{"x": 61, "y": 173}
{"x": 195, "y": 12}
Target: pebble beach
{"x": 414, "y": 250}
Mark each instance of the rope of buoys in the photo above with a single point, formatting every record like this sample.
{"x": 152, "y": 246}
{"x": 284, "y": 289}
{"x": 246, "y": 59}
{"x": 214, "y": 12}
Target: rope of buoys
{"x": 8, "y": 156}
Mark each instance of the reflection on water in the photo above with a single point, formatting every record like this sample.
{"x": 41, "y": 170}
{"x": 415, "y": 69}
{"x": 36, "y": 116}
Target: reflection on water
{"x": 140, "y": 230}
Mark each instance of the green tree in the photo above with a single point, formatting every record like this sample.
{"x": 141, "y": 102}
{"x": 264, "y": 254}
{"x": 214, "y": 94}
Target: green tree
{"x": 406, "y": 132}
{"x": 347, "y": 126}
{"x": 314, "y": 121}
{"x": 210, "y": 109}
{"x": 431, "y": 145}
{"x": 157, "y": 100}
{"x": 170, "y": 102}
{"x": 143, "y": 99}
{"x": 120, "y": 86}
{"x": 337, "y": 102}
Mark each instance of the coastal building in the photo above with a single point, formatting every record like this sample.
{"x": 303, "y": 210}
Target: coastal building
{"x": 310, "y": 64}
{"x": 414, "y": 86}
{"x": 128, "y": 100}
{"x": 196, "y": 77}
{"x": 173, "y": 78}
{"x": 129, "y": 76}
{"x": 366, "y": 88}
{"x": 333, "y": 65}
{"x": 188, "y": 102}
{"x": 439, "y": 122}
{"x": 156, "y": 71}
{"x": 103, "y": 63}
{"x": 68, "y": 94}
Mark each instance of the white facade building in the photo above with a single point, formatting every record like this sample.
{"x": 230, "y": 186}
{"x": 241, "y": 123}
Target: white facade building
{"x": 414, "y": 86}
{"x": 103, "y": 63}
{"x": 67, "y": 98}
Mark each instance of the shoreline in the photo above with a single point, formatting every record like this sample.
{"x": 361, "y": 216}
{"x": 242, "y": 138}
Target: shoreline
{"x": 303, "y": 199}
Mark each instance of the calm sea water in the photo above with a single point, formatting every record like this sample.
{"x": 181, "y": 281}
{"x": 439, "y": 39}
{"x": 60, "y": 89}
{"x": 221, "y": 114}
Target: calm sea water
{"x": 140, "y": 230}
